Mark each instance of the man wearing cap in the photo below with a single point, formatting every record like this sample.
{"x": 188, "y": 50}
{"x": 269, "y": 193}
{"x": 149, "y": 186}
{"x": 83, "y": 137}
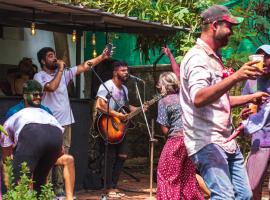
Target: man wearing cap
{"x": 36, "y": 119}
{"x": 31, "y": 130}
{"x": 258, "y": 160}
{"x": 207, "y": 106}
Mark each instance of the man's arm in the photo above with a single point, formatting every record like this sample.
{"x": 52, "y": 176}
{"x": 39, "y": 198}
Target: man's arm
{"x": 208, "y": 95}
{"x": 54, "y": 83}
{"x": 256, "y": 98}
{"x": 102, "y": 106}
{"x": 93, "y": 62}
{"x": 6, "y": 152}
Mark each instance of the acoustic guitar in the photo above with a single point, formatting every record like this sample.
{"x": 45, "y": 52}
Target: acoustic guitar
{"x": 116, "y": 127}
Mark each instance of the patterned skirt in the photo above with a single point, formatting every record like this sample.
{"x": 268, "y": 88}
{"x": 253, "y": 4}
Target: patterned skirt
{"x": 176, "y": 173}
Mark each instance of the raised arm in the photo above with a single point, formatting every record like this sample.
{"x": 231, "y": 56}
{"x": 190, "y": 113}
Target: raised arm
{"x": 92, "y": 62}
{"x": 175, "y": 66}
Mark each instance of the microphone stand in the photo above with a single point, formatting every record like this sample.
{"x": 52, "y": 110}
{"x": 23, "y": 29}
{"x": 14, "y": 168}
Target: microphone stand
{"x": 108, "y": 97}
{"x": 152, "y": 140}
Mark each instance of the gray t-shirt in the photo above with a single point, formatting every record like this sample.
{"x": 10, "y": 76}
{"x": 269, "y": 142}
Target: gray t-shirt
{"x": 120, "y": 94}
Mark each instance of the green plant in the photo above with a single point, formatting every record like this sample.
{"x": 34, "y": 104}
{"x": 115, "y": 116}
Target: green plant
{"x": 22, "y": 190}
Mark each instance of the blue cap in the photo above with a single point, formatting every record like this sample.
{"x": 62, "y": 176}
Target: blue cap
{"x": 265, "y": 48}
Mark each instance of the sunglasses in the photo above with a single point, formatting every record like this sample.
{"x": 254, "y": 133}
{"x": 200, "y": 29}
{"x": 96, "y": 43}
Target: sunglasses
{"x": 36, "y": 94}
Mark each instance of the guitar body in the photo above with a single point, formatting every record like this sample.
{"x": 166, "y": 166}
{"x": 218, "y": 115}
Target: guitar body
{"x": 116, "y": 127}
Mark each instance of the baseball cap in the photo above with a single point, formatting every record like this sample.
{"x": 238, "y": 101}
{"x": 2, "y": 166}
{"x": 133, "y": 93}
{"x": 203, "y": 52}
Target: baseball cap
{"x": 265, "y": 48}
{"x": 219, "y": 13}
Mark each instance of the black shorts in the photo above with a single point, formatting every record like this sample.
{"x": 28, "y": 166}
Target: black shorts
{"x": 39, "y": 145}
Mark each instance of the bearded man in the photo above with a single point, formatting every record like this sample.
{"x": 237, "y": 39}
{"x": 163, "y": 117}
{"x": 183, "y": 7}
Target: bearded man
{"x": 206, "y": 105}
{"x": 35, "y": 133}
{"x": 54, "y": 78}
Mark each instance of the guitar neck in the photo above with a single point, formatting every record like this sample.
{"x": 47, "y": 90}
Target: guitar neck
{"x": 149, "y": 103}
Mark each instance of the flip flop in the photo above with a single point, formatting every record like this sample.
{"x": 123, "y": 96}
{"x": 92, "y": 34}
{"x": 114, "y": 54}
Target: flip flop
{"x": 113, "y": 194}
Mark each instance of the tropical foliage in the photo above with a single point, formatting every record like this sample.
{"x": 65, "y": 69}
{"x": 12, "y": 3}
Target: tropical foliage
{"x": 22, "y": 190}
{"x": 183, "y": 13}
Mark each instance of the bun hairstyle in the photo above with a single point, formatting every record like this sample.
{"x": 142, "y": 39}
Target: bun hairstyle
{"x": 168, "y": 83}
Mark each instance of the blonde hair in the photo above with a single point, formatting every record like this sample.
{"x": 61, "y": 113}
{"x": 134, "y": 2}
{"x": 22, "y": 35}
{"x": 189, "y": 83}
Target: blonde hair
{"x": 168, "y": 83}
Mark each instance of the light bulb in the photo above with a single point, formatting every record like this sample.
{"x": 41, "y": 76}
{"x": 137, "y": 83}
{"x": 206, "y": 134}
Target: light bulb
{"x": 74, "y": 36}
{"x": 93, "y": 39}
{"x": 33, "y": 28}
{"x": 94, "y": 53}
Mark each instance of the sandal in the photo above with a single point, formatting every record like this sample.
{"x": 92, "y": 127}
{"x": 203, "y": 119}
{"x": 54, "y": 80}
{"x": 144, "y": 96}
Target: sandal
{"x": 113, "y": 194}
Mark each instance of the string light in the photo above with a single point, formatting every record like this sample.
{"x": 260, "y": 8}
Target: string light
{"x": 74, "y": 35}
{"x": 33, "y": 28}
{"x": 94, "y": 54}
{"x": 93, "y": 39}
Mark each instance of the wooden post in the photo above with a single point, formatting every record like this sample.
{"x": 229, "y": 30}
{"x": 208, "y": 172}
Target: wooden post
{"x": 78, "y": 61}
{"x": 152, "y": 157}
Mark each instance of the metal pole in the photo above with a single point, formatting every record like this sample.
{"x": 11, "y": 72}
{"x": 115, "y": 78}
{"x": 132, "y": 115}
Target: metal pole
{"x": 152, "y": 157}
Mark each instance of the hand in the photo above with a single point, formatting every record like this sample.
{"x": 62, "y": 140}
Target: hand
{"x": 105, "y": 54}
{"x": 245, "y": 113}
{"x": 259, "y": 98}
{"x": 166, "y": 51}
{"x": 236, "y": 133}
{"x": 145, "y": 106}
{"x": 122, "y": 116}
{"x": 61, "y": 65}
{"x": 247, "y": 71}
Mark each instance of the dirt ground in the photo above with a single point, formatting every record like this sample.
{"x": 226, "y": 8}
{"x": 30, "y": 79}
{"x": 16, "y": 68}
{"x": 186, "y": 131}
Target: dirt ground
{"x": 140, "y": 190}
{"x": 133, "y": 189}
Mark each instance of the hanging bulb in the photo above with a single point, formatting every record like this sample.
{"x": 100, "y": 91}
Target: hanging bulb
{"x": 93, "y": 39}
{"x": 74, "y": 36}
{"x": 94, "y": 53}
{"x": 33, "y": 28}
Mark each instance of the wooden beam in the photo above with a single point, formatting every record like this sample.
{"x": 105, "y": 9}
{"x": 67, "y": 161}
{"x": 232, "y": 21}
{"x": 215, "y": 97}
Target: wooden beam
{"x": 52, "y": 17}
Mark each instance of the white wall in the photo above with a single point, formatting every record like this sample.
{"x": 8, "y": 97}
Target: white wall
{"x": 18, "y": 43}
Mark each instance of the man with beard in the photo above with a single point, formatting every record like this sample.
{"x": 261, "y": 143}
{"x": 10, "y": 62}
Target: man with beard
{"x": 207, "y": 106}
{"x": 33, "y": 90}
{"x": 54, "y": 78}
{"x": 117, "y": 153}
{"x": 31, "y": 129}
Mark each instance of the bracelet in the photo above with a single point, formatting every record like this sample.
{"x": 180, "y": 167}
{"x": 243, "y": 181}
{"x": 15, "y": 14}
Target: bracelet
{"x": 61, "y": 71}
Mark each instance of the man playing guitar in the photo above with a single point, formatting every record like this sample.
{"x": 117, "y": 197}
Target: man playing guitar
{"x": 117, "y": 153}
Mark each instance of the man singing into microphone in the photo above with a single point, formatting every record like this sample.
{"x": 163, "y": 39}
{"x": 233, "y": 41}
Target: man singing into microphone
{"x": 54, "y": 78}
{"x": 117, "y": 153}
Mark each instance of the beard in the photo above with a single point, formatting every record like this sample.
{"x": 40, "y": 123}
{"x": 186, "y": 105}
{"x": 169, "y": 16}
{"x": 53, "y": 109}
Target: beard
{"x": 52, "y": 66}
{"x": 222, "y": 39}
{"x": 123, "y": 78}
{"x": 31, "y": 103}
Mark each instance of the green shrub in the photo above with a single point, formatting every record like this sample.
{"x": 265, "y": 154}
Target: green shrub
{"x": 22, "y": 191}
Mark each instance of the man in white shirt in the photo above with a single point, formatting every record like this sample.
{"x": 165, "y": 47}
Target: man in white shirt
{"x": 207, "y": 106}
{"x": 54, "y": 78}
{"x": 36, "y": 134}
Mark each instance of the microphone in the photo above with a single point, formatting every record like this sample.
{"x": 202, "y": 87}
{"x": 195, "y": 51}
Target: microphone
{"x": 135, "y": 78}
